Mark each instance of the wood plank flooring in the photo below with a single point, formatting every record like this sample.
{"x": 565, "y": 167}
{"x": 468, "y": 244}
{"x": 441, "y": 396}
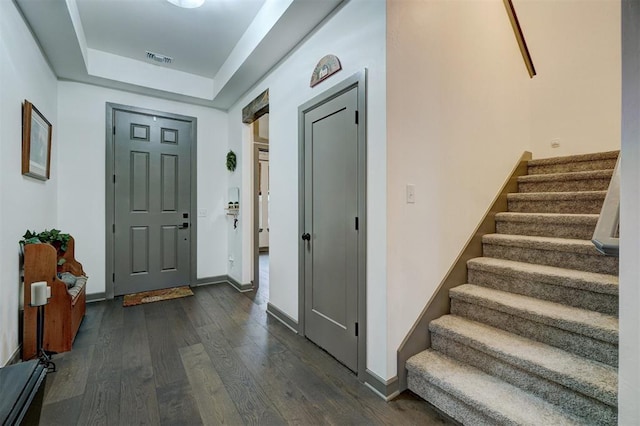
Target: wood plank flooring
{"x": 214, "y": 358}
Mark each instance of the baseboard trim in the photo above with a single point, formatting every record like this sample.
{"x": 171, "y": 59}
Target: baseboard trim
{"x": 282, "y": 317}
{"x": 385, "y": 389}
{"x": 15, "y": 356}
{"x": 242, "y": 288}
{"x": 223, "y": 279}
{"x": 96, "y": 297}
{"x": 218, "y": 279}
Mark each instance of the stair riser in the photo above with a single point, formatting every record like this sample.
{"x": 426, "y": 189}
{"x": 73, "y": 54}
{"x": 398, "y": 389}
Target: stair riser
{"x": 584, "y": 262}
{"x": 592, "y": 206}
{"x": 571, "y": 400}
{"x": 447, "y": 403}
{"x": 570, "y": 296}
{"x": 581, "y": 166}
{"x": 577, "y": 231}
{"x": 565, "y": 186}
{"x": 578, "y": 344}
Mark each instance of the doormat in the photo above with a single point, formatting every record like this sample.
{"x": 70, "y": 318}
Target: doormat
{"x": 156, "y": 295}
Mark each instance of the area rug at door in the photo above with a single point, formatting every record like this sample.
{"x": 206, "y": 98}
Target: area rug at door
{"x": 156, "y": 295}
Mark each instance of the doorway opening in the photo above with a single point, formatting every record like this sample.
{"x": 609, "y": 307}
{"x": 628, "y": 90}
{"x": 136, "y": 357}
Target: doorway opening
{"x": 261, "y": 199}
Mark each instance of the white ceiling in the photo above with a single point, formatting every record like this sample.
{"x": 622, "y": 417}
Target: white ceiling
{"x": 199, "y": 40}
{"x": 219, "y": 50}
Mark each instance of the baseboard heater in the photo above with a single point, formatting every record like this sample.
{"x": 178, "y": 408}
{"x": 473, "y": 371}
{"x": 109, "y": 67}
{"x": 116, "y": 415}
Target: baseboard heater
{"x": 21, "y": 392}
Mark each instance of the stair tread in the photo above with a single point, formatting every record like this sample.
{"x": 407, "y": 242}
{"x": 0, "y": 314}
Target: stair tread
{"x": 567, "y": 176}
{"x": 591, "y": 281}
{"x": 589, "y": 377}
{"x": 487, "y": 394}
{"x": 560, "y": 218}
{"x": 574, "y": 158}
{"x": 589, "y": 323}
{"x": 542, "y": 243}
{"x": 555, "y": 196}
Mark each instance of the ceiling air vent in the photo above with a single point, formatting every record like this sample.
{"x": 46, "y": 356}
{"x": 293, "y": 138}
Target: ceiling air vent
{"x": 159, "y": 58}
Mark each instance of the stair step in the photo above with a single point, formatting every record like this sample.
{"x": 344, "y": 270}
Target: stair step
{"x": 585, "y": 290}
{"x": 562, "y": 252}
{"x": 592, "y": 180}
{"x": 556, "y": 367}
{"x": 593, "y": 324}
{"x": 560, "y": 225}
{"x": 473, "y": 397}
{"x": 584, "y": 202}
{"x": 592, "y": 335}
{"x": 574, "y": 163}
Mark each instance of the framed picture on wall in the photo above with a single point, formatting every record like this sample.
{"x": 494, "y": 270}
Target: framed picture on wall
{"x": 36, "y": 143}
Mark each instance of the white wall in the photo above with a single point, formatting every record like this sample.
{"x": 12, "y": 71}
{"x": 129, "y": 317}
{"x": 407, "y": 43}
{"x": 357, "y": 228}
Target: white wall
{"x": 461, "y": 110}
{"x": 82, "y": 157}
{"x": 457, "y": 122}
{"x": 356, "y": 34}
{"x": 629, "y": 370}
{"x": 24, "y": 202}
{"x": 575, "y": 97}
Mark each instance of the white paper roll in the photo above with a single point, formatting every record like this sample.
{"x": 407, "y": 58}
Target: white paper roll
{"x": 39, "y": 293}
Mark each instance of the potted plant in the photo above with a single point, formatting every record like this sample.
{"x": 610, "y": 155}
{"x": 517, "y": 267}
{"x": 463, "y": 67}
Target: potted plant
{"x": 54, "y": 237}
{"x": 231, "y": 161}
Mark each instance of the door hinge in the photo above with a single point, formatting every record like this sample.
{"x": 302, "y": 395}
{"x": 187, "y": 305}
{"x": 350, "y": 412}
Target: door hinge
{"x": 357, "y": 224}
{"x": 356, "y": 117}
{"x": 114, "y": 130}
{"x": 113, "y": 228}
{"x": 356, "y": 329}
{"x": 113, "y": 277}
{"x": 114, "y": 178}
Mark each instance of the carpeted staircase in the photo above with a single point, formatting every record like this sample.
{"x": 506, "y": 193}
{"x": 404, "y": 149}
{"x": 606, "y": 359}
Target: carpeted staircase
{"x": 533, "y": 337}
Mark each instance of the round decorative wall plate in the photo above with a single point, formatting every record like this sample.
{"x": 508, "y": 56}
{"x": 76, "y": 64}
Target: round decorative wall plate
{"x": 328, "y": 65}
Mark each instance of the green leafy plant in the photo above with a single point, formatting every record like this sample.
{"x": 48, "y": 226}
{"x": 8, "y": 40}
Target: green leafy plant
{"x": 54, "y": 237}
{"x": 231, "y": 161}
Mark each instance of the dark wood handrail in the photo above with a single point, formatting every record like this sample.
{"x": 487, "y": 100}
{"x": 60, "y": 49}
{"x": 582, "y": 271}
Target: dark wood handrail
{"x": 517, "y": 31}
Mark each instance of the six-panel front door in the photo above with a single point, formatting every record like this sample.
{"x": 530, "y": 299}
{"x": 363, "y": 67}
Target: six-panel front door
{"x": 330, "y": 218}
{"x": 152, "y": 202}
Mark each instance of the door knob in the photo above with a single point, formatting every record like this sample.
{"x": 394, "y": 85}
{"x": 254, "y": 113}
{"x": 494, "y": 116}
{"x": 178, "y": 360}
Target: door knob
{"x": 184, "y": 225}
{"x": 306, "y": 236}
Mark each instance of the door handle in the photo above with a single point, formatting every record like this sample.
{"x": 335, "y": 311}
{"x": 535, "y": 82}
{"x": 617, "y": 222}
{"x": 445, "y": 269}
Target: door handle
{"x": 184, "y": 225}
{"x": 306, "y": 236}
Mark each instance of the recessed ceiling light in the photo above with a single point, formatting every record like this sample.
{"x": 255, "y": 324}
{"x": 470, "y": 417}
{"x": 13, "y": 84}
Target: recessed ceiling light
{"x": 187, "y": 4}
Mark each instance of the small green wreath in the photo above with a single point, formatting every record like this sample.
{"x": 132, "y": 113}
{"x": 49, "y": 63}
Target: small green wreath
{"x": 231, "y": 161}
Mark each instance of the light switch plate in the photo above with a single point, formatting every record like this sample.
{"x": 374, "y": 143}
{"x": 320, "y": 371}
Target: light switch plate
{"x": 411, "y": 193}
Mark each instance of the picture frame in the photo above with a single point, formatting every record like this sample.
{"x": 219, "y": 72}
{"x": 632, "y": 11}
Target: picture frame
{"x": 36, "y": 143}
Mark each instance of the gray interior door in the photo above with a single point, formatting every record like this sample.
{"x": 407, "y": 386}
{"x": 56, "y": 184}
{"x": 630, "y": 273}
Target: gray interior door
{"x": 152, "y": 202}
{"x": 330, "y": 218}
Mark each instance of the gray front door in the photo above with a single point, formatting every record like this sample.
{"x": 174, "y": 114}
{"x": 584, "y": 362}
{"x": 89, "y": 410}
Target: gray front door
{"x": 152, "y": 202}
{"x": 330, "y": 220}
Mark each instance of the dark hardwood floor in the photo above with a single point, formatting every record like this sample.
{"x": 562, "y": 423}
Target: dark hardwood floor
{"x": 215, "y": 358}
